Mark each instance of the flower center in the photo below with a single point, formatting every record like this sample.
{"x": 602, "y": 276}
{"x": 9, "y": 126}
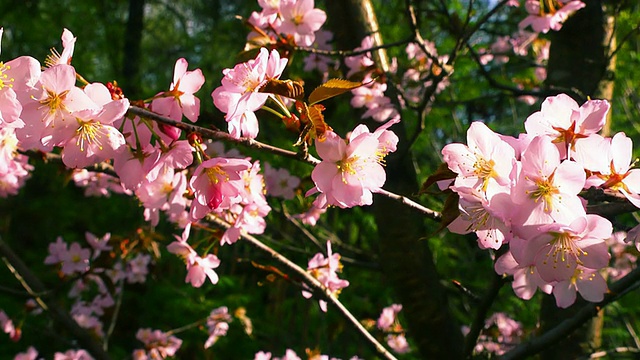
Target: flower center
{"x": 5, "y": 80}
{"x": 545, "y": 190}
{"x": 54, "y": 101}
{"x": 484, "y": 170}
{"x": 563, "y": 248}
{"x": 216, "y": 174}
{"x": 348, "y": 166}
{"x": 89, "y": 132}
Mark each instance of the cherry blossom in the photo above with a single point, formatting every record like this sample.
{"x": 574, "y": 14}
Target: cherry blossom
{"x": 485, "y": 163}
{"x": 300, "y": 19}
{"x": 279, "y": 182}
{"x": 565, "y": 122}
{"x": 617, "y": 175}
{"x": 546, "y": 189}
{"x": 350, "y": 171}
{"x": 73, "y": 355}
{"x": 215, "y": 183}
{"x": 588, "y": 282}
{"x": 326, "y": 271}
{"x": 217, "y": 325}
{"x": 549, "y": 15}
{"x": 239, "y": 96}
{"x": 158, "y": 345}
{"x": 30, "y": 354}
{"x": 179, "y": 100}
{"x": 560, "y": 249}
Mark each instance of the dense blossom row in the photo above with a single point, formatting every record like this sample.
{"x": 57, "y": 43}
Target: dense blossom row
{"x": 525, "y": 192}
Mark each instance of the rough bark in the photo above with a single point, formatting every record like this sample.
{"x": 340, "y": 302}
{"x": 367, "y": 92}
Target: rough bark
{"x": 404, "y": 253}
{"x": 132, "y": 50}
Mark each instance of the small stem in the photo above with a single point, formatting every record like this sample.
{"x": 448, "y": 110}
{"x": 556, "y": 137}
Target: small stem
{"x": 315, "y": 286}
{"x": 274, "y": 112}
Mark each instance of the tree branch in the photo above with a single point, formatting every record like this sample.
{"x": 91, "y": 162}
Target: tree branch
{"x": 315, "y": 286}
{"x": 537, "y": 344}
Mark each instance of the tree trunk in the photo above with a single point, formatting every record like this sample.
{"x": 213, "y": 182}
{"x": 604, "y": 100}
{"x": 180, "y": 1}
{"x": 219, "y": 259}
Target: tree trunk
{"x": 132, "y": 50}
{"x": 404, "y": 254}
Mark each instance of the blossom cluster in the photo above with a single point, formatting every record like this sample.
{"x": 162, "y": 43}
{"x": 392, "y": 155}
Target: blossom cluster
{"x": 291, "y": 355}
{"x": 296, "y": 20}
{"x": 525, "y": 192}
{"x": 389, "y": 324}
{"x": 549, "y": 14}
{"x": 326, "y": 270}
{"x": 500, "y": 334}
{"x": 91, "y": 293}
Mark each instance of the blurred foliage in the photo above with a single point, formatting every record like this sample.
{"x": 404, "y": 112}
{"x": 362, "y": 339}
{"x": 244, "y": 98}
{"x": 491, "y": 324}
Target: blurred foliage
{"x": 209, "y": 36}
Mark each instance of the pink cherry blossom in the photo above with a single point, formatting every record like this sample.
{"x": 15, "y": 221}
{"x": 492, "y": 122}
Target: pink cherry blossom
{"x": 30, "y": 354}
{"x": 526, "y": 278}
{"x": 201, "y": 268}
{"x": 239, "y": 95}
{"x": 98, "y": 183}
{"x": 98, "y": 244}
{"x": 588, "y": 282}
{"x": 551, "y": 16}
{"x": 75, "y": 260}
{"x": 560, "y": 249}
{"x": 198, "y": 268}
{"x": 215, "y": 183}
{"x": 300, "y": 19}
{"x": 158, "y": 345}
{"x": 624, "y": 260}
{"x": 488, "y": 219}
{"x": 91, "y": 138}
{"x": 50, "y": 105}
{"x": 73, "y": 355}
{"x": 565, "y": 122}
{"x": 485, "y": 163}
{"x": 617, "y": 175}
{"x": 179, "y": 100}
{"x": 279, "y": 182}
{"x": 398, "y": 343}
{"x": 388, "y": 317}
{"x": 546, "y": 189}
{"x": 8, "y": 327}
{"x": 326, "y": 271}
{"x": 137, "y": 269}
{"x": 217, "y": 325}
{"x": 350, "y": 171}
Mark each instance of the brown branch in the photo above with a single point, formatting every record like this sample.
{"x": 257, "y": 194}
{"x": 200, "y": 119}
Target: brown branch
{"x": 220, "y": 135}
{"x": 315, "y": 286}
{"x": 481, "y": 313}
{"x": 34, "y": 287}
{"x": 537, "y": 344}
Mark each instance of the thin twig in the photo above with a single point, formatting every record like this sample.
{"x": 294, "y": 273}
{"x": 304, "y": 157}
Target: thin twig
{"x": 34, "y": 287}
{"x": 481, "y": 314}
{"x": 348, "y": 53}
{"x": 315, "y": 286}
{"x": 114, "y": 317}
{"x": 431, "y": 214}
